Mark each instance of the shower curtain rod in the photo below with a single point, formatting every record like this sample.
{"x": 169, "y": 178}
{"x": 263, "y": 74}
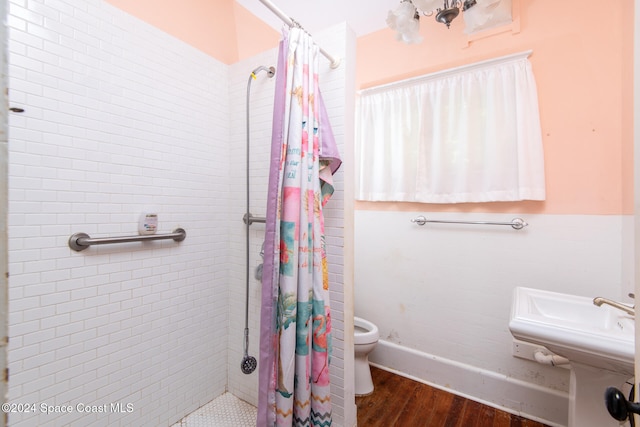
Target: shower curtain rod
{"x": 333, "y": 62}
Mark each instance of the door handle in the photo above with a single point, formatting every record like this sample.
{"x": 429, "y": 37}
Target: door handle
{"x": 618, "y": 405}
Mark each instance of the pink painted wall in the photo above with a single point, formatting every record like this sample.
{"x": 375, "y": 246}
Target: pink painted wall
{"x": 222, "y": 29}
{"x": 582, "y": 60}
{"x": 253, "y": 35}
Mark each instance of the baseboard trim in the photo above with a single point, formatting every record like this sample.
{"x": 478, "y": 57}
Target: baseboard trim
{"x": 538, "y": 403}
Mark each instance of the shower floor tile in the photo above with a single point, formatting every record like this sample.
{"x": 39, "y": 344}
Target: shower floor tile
{"x": 224, "y": 411}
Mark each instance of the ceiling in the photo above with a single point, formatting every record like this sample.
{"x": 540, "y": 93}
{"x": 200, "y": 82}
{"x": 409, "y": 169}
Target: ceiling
{"x": 363, "y": 16}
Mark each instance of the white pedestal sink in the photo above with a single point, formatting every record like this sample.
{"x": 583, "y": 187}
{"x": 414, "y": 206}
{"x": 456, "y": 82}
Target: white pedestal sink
{"x": 598, "y": 341}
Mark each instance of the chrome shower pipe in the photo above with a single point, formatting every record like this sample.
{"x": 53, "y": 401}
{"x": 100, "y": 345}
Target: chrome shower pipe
{"x": 248, "y": 364}
{"x": 271, "y": 71}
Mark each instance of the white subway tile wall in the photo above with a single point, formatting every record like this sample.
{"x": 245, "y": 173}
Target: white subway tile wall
{"x": 260, "y": 117}
{"x": 120, "y": 118}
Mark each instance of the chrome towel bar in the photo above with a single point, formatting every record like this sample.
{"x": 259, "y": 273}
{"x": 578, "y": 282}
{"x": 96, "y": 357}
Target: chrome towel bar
{"x": 81, "y": 241}
{"x": 516, "y": 223}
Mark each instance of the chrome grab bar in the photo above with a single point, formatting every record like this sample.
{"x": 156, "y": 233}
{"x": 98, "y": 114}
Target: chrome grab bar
{"x": 516, "y": 223}
{"x": 81, "y": 241}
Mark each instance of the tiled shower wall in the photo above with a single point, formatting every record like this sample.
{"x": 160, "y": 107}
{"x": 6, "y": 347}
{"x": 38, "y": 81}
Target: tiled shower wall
{"x": 260, "y": 117}
{"x": 119, "y": 118}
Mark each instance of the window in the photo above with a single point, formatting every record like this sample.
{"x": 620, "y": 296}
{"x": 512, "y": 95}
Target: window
{"x": 471, "y": 134}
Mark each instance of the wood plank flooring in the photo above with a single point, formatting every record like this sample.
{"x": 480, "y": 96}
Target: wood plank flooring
{"x": 401, "y": 402}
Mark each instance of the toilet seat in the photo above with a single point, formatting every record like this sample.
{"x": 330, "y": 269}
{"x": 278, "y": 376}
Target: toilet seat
{"x": 365, "y": 332}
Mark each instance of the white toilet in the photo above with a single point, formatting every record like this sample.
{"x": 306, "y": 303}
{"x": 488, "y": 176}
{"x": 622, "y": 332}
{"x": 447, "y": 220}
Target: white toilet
{"x": 365, "y": 339}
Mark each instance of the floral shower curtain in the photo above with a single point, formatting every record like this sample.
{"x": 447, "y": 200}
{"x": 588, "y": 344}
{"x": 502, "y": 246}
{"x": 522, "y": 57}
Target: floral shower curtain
{"x": 295, "y": 330}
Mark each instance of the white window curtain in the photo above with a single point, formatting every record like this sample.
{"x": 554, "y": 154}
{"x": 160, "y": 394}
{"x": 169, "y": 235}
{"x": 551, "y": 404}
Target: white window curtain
{"x": 466, "y": 135}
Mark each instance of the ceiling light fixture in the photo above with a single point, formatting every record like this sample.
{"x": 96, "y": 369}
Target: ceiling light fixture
{"x": 405, "y": 19}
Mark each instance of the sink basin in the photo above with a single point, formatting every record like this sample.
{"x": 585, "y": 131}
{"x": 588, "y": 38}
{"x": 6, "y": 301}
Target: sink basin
{"x": 573, "y": 327}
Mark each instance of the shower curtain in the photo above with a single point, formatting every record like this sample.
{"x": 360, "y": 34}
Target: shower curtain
{"x": 295, "y": 329}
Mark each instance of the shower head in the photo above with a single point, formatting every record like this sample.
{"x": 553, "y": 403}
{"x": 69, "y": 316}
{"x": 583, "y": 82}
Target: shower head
{"x": 271, "y": 71}
{"x": 248, "y": 364}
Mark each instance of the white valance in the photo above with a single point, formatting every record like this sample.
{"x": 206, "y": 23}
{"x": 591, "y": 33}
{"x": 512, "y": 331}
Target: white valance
{"x": 471, "y": 134}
